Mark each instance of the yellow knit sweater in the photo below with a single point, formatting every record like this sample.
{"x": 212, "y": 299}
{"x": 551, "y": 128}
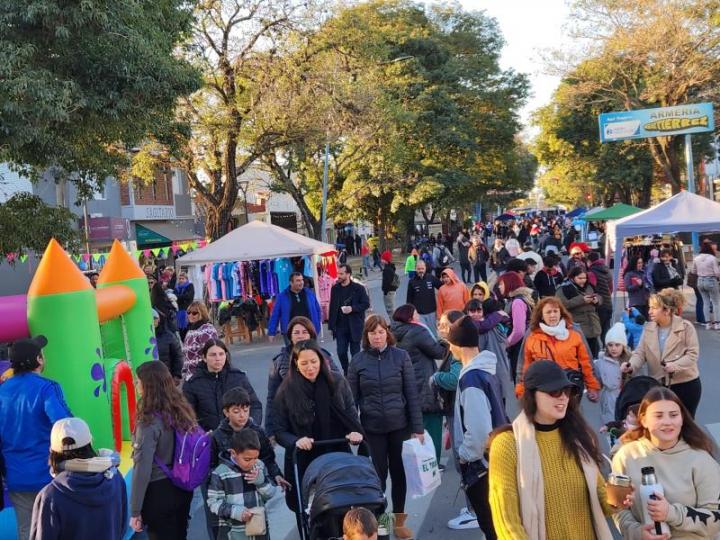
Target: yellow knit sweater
{"x": 567, "y": 506}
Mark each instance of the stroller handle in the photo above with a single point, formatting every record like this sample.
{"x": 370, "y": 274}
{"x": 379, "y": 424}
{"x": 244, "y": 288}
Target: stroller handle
{"x": 304, "y": 535}
{"x": 330, "y": 442}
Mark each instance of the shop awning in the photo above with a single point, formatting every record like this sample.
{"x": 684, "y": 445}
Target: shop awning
{"x": 155, "y": 233}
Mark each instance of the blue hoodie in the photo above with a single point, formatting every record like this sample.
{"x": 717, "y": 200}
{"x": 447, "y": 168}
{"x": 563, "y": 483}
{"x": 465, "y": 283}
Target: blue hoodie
{"x": 82, "y": 506}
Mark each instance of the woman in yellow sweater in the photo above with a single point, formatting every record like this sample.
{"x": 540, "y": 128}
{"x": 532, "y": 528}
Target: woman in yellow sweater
{"x": 545, "y": 483}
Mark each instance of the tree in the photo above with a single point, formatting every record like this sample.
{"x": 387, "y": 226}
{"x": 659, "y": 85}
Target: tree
{"x": 27, "y": 224}
{"x": 650, "y": 53}
{"x": 441, "y": 121}
{"x": 80, "y": 81}
{"x": 579, "y": 169}
{"x": 238, "y": 45}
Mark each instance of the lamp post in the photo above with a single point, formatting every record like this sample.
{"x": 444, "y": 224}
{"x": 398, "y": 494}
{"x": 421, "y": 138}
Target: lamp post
{"x": 243, "y": 186}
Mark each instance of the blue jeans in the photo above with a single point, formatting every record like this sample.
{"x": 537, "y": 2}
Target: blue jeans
{"x": 344, "y": 340}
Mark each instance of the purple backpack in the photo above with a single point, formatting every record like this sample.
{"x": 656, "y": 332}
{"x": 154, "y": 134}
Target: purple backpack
{"x": 190, "y": 466}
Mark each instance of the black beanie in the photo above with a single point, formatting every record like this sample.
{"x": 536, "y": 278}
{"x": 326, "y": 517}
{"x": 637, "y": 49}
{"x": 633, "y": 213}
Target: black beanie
{"x": 463, "y": 333}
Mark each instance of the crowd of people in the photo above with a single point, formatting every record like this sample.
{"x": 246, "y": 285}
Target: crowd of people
{"x": 500, "y": 358}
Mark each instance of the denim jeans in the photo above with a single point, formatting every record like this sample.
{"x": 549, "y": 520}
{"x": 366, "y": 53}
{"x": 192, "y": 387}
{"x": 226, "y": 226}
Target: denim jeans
{"x": 710, "y": 293}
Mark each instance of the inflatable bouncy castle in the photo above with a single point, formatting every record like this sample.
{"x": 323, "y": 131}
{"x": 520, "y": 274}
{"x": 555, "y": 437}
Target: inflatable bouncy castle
{"x": 96, "y": 339}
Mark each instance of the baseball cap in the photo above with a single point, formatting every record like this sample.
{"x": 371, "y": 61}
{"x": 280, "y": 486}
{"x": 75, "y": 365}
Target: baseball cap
{"x": 24, "y": 353}
{"x": 546, "y": 376}
{"x": 75, "y": 429}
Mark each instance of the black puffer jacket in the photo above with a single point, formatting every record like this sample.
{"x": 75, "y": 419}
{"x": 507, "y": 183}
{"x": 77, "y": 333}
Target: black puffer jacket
{"x": 385, "y": 390}
{"x": 222, "y": 437}
{"x": 279, "y": 369}
{"x": 423, "y": 350}
{"x": 205, "y": 390}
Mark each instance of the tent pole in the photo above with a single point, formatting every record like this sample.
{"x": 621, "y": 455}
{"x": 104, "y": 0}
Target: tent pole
{"x": 691, "y": 182}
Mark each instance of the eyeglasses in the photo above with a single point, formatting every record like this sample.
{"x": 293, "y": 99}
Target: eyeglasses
{"x": 193, "y": 313}
{"x": 568, "y": 391}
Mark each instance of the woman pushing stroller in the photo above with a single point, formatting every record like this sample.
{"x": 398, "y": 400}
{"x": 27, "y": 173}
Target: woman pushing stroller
{"x": 312, "y": 404}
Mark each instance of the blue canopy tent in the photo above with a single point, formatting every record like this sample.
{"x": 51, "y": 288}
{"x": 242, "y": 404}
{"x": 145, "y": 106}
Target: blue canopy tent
{"x": 577, "y": 212}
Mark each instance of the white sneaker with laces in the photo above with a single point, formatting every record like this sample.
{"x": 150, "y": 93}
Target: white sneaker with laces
{"x": 465, "y": 520}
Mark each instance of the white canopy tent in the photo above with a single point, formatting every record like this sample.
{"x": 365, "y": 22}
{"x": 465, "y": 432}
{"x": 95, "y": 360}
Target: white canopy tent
{"x": 253, "y": 241}
{"x": 684, "y": 212}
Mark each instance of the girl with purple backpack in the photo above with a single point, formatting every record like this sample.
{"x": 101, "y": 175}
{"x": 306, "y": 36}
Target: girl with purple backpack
{"x": 157, "y": 505}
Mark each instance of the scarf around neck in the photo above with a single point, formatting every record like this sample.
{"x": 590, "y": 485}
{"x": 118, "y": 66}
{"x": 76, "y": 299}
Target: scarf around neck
{"x": 559, "y": 331}
{"x": 531, "y": 487}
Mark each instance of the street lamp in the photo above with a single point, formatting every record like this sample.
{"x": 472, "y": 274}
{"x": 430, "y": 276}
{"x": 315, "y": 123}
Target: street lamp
{"x": 243, "y": 186}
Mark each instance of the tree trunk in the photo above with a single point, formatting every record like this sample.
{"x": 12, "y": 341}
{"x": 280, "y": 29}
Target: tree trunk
{"x": 218, "y": 222}
{"x": 664, "y": 151}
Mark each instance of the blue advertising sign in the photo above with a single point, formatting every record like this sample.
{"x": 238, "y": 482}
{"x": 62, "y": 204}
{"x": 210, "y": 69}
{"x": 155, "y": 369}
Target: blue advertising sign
{"x": 659, "y": 122}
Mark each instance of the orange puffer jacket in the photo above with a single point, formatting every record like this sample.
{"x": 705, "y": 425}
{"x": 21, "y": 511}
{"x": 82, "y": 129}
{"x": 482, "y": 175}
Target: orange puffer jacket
{"x": 571, "y": 353}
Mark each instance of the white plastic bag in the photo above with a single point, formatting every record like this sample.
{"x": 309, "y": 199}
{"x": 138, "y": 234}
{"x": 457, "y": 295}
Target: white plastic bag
{"x": 421, "y": 468}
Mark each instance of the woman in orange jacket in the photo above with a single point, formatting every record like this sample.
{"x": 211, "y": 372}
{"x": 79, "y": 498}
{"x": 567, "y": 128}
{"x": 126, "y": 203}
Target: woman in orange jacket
{"x": 452, "y": 294}
{"x": 552, "y": 337}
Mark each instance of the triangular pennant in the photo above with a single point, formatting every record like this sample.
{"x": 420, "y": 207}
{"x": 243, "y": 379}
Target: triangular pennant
{"x": 86, "y": 257}
{"x": 146, "y": 252}
{"x": 23, "y": 258}
{"x": 155, "y": 251}
{"x": 174, "y": 248}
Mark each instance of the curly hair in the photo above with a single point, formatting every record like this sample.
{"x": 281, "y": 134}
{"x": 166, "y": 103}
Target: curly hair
{"x": 536, "y": 317}
{"x": 161, "y": 398}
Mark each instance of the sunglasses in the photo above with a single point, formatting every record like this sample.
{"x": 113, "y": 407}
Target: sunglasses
{"x": 568, "y": 391}
{"x": 193, "y": 313}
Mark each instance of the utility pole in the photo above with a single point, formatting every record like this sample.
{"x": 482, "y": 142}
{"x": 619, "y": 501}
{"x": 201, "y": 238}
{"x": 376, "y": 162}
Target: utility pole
{"x": 691, "y": 182}
{"x": 323, "y": 218}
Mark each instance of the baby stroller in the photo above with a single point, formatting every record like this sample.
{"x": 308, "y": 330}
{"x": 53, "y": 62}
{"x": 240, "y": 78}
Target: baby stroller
{"x": 332, "y": 485}
{"x": 632, "y": 393}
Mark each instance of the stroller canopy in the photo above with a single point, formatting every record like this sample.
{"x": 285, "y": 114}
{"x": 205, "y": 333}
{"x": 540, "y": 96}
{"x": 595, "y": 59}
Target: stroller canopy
{"x": 340, "y": 479}
{"x": 631, "y": 394}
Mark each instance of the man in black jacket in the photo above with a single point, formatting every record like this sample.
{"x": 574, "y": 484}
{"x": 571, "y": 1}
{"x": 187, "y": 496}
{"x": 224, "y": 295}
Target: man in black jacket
{"x": 666, "y": 272}
{"x": 421, "y": 294}
{"x": 389, "y": 282}
{"x": 346, "y": 316}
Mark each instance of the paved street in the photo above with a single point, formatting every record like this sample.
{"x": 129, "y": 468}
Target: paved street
{"x": 428, "y": 516}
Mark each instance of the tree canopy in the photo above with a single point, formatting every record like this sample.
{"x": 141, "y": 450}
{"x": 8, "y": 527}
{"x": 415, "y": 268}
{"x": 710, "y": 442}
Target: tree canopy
{"x": 82, "y": 82}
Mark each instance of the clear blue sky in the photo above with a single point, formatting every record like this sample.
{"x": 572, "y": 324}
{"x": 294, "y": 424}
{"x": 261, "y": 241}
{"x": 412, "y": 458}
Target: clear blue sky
{"x": 529, "y": 26}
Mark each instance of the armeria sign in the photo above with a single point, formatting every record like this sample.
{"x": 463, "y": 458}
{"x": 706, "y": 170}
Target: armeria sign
{"x": 659, "y": 122}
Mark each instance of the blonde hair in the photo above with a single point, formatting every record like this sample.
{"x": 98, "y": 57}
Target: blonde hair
{"x": 358, "y": 523}
{"x": 668, "y": 299}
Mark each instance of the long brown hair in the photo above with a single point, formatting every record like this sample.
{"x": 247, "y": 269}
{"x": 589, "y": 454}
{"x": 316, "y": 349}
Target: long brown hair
{"x": 578, "y": 438}
{"x": 536, "y": 317}
{"x": 690, "y": 432}
{"x": 162, "y": 398}
{"x": 371, "y": 323}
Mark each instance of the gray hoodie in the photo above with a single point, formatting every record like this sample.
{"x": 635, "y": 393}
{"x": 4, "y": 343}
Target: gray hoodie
{"x": 479, "y": 393}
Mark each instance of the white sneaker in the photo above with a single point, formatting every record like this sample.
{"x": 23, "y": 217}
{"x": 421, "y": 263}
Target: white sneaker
{"x": 465, "y": 520}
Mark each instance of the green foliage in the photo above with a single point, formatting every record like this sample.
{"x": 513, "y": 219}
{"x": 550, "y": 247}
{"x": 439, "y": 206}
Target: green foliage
{"x": 440, "y": 127}
{"x": 81, "y": 81}
{"x": 27, "y": 224}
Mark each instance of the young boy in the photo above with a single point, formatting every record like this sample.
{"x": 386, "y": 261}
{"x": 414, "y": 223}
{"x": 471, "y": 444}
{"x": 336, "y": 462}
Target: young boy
{"x": 238, "y": 486}
{"x": 360, "y": 524}
{"x": 236, "y": 408}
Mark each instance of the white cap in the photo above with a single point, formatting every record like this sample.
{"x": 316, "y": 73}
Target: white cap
{"x": 69, "y": 428}
{"x": 616, "y": 334}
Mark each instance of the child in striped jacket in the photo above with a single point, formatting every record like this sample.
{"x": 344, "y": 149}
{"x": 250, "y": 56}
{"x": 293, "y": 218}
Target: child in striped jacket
{"x": 239, "y": 487}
